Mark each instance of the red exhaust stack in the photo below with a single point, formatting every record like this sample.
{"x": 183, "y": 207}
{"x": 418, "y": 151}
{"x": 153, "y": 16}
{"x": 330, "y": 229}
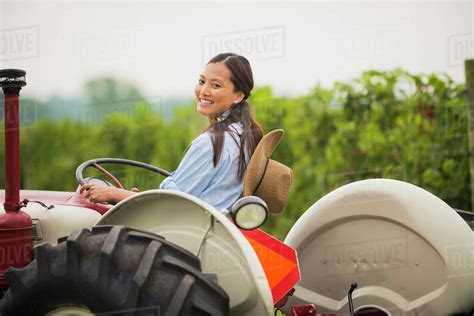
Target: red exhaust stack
{"x": 15, "y": 225}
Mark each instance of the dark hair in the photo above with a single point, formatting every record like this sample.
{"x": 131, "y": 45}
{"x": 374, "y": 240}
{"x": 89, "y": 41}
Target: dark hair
{"x": 242, "y": 77}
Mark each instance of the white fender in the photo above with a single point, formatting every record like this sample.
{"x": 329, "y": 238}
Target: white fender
{"x": 224, "y": 251}
{"x": 409, "y": 252}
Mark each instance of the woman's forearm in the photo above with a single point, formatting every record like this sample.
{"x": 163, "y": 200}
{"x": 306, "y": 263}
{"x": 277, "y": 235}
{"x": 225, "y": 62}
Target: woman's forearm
{"x": 117, "y": 195}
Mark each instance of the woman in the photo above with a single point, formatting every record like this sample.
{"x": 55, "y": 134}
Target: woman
{"x": 214, "y": 166}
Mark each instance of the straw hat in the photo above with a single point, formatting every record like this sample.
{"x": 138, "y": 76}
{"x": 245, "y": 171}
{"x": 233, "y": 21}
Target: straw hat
{"x": 267, "y": 178}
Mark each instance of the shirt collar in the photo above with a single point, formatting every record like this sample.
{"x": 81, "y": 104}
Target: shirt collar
{"x": 225, "y": 114}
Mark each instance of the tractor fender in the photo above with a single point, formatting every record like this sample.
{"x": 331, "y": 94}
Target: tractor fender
{"x": 409, "y": 251}
{"x": 58, "y": 221}
{"x": 224, "y": 251}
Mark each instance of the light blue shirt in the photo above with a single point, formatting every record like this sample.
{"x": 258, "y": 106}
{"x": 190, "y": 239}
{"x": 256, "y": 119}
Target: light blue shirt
{"x": 196, "y": 174}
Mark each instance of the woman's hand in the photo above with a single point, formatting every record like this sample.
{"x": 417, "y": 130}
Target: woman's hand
{"x": 99, "y": 193}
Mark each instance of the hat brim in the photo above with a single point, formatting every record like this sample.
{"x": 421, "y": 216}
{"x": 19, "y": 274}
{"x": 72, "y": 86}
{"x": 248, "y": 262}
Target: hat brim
{"x": 258, "y": 161}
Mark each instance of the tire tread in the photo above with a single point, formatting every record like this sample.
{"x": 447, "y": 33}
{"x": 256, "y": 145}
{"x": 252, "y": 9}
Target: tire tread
{"x": 89, "y": 268}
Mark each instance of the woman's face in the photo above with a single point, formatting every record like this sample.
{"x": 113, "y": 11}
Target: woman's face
{"x": 214, "y": 91}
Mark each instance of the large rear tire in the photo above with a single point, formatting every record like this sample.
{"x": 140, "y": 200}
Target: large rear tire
{"x": 116, "y": 270}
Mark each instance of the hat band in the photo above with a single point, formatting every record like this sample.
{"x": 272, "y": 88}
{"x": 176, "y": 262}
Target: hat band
{"x": 261, "y": 178}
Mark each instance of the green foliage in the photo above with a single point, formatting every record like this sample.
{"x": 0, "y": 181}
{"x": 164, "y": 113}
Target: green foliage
{"x": 388, "y": 124}
{"x": 382, "y": 125}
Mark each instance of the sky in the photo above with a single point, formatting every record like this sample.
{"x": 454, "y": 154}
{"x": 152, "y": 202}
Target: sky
{"x": 162, "y": 46}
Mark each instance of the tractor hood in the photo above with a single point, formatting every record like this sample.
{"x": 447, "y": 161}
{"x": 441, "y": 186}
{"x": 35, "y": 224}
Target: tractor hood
{"x": 55, "y": 214}
{"x": 60, "y": 198}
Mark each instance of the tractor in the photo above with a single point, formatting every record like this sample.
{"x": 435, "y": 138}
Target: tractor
{"x": 372, "y": 247}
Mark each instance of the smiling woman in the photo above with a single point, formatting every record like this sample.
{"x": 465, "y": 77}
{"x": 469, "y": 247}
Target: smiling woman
{"x": 215, "y": 92}
{"x": 215, "y": 164}
{"x": 213, "y": 168}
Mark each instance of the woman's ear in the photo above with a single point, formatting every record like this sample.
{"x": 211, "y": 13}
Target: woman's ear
{"x": 239, "y": 97}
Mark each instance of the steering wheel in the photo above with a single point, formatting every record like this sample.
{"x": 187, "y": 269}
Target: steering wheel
{"x": 96, "y": 164}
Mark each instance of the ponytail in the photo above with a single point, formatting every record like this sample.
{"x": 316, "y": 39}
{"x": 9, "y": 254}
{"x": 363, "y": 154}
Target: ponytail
{"x": 249, "y": 138}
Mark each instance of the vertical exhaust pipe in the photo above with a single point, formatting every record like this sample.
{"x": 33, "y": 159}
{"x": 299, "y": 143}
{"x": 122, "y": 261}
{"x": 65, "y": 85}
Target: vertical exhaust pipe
{"x": 11, "y": 81}
{"x": 15, "y": 226}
